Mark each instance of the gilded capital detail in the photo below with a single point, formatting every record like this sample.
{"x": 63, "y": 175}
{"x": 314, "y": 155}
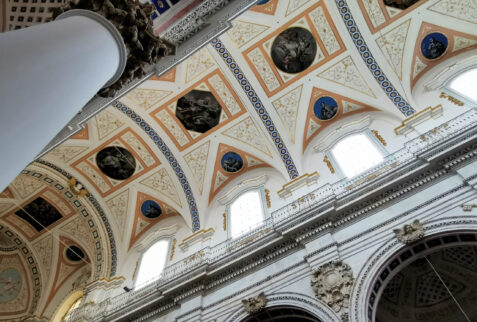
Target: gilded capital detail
{"x": 332, "y": 285}
{"x": 133, "y": 21}
{"x": 410, "y": 232}
{"x": 255, "y": 304}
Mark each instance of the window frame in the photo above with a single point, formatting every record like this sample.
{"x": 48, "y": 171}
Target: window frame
{"x": 367, "y": 132}
{"x": 141, "y": 257}
{"x": 266, "y": 215}
{"x": 449, "y": 91}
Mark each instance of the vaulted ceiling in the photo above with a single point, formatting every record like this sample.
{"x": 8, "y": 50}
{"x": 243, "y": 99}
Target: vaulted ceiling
{"x": 262, "y": 98}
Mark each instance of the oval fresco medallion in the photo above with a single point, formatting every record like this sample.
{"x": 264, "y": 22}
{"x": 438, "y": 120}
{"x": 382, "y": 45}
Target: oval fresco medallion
{"x": 261, "y": 2}
{"x": 150, "y": 209}
{"x": 116, "y": 162}
{"x": 325, "y": 108}
{"x": 231, "y": 162}
{"x": 74, "y": 253}
{"x": 10, "y": 284}
{"x": 294, "y": 50}
{"x": 434, "y": 45}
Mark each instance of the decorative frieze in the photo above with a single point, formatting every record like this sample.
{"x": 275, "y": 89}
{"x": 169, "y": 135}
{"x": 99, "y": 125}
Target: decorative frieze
{"x": 379, "y": 137}
{"x": 332, "y": 284}
{"x": 452, "y": 99}
{"x": 410, "y": 232}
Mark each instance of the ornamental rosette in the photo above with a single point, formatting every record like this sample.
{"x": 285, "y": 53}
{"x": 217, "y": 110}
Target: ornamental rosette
{"x": 332, "y": 285}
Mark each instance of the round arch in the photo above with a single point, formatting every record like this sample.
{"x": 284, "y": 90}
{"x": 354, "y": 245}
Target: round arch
{"x": 66, "y": 305}
{"x": 393, "y": 256}
{"x": 298, "y": 301}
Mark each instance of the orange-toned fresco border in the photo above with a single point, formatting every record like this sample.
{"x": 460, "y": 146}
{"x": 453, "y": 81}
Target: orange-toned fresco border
{"x": 26, "y": 278}
{"x": 317, "y": 93}
{"x": 222, "y": 148}
{"x": 427, "y": 28}
{"x": 141, "y": 197}
{"x": 267, "y": 8}
{"x": 312, "y": 28}
{"x": 64, "y": 243}
{"x": 169, "y": 76}
{"x": 82, "y": 135}
{"x": 388, "y": 19}
{"x": 131, "y": 150}
{"x": 7, "y": 193}
{"x": 192, "y": 140}
{"x": 41, "y": 194}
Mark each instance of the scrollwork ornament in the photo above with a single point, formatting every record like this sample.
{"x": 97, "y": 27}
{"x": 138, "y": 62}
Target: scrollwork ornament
{"x": 332, "y": 284}
{"x": 410, "y": 232}
{"x": 255, "y": 304}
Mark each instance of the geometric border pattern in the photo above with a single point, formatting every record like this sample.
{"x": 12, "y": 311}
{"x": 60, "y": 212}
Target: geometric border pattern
{"x": 169, "y": 156}
{"x": 96, "y": 205}
{"x": 259, "y": 108}
{"x": 368, "y": 58}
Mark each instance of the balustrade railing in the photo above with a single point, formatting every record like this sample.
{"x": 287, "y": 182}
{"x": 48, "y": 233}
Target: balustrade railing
{"x": 325, "y": 193}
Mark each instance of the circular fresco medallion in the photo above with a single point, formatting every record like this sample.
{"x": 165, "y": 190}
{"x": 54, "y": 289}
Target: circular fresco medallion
{"x": 74, "y": 253}
{"x": 116, "y": 162}
{"x": 231, "y": 162}
{"x": 325, "y": 108}
{"x": 10, "y": 284}
{"x": 294, "y": 50}
{"x": 150, "y": 209}
{"x": 261, "y": 2}
{"x": 434, "y": 45}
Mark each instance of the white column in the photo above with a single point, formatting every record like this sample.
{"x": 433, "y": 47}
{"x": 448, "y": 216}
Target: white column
{"x": 47, "y": 74}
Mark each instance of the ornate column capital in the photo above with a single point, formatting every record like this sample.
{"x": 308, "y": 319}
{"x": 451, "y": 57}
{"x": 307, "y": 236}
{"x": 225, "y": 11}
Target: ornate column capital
{"x": 133, "y": 23}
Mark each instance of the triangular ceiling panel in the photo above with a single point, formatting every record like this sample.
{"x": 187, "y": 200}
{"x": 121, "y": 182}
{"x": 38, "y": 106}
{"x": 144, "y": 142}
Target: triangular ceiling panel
{"x": 434, "y": 44}
{"x": 119, "y": 208}
{"x": 326, "y": 108}
{"x": 149, "y": 211}
{"x": 268, "y": 8}
{"x": 244, "y": 32}
{"x": 345, "y": 73}
{"x": 247, "y": 132}
{"x": 287, "y": 109}
{"x": 161, "y": 182}
{"x": 460, "y": 9}
{"x": 197, "y": 162}
{"x": 236, "y": 161}
{"x": 294, "y": 5}
{"x": 65, "y": 153}
{"x": 147, "y": 98}
{"x": 107, "y": 123}
{"x": 199, "y": 64}
{"x": 392, "y": 45}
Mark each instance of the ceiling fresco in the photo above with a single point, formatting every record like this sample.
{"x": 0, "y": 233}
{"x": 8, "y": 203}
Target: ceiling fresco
{"x": 256, "y": 101}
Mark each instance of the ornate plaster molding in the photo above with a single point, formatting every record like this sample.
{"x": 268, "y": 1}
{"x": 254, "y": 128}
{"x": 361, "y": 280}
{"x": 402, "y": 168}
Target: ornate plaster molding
{"x": 199, "y": 236}
{"x": 410, "y": 232}
{"x": 242, "y": 186}
{"x": 308, "y": 179}
{"x": 255, "y": 304}
{"x": 332, "y": 284}
{"x": 468, "y": 206}
{"x": 411, "y": 122}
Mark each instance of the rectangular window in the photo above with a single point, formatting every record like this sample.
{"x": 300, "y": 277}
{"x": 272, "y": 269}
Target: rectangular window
{"x": 245, "y": 213}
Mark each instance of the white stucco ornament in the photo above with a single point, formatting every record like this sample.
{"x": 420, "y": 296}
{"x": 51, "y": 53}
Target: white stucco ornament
{"x": 410, "y": 232}
{"x": 332, "y": 284}
{"x": 255, "y": 304}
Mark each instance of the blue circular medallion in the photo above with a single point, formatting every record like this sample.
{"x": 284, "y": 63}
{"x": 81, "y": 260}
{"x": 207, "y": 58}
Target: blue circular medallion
{"x": 434, "y": 45}
{"x": 325, "y": 108}
{"x": 259, "y": 3}
{"x": 231, "y": 162}
{"x": 150, "y": 209}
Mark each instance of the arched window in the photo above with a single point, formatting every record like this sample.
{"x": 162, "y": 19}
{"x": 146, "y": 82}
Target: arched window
{"x": 153, "y": 262}
{"x": 245, "y": 212}
{"x": 464, "y": 85}
{"x": 355, "y": 154}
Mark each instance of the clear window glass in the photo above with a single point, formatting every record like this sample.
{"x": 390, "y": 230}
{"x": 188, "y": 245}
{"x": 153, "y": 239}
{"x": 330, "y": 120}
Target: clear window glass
{"x": 153, "y": 263}
{"x": 464, "y": 84}
{"x": 356, "y": 154}
{"x": 246, "y": 212}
